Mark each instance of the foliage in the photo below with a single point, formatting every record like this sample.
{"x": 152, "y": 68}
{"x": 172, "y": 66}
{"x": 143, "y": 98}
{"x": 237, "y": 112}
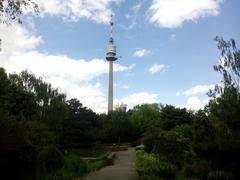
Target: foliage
{"x": 172, "y": 116}
{"x": 170, "y": 146}
{"x": 226, "y": 108}
{"x": 215, "y": 142}
{"x": 11, "y": 10}
{"x": 117, "y": 127}
{"x": 196, "y": 169}
{"x": 50, "y": 159}
{"x": 149, "y": 166}
{"x": 99, "y": 163}
{"x": 17, "y": 154}
{"x": 81, "y": 126}
{"x": 228, "y": 66}
{"x": 150, "y": 138}
{"x": 74, "y": 164}
{"x": 38, "y": 134}
{"x": 145, "y": 116}
{"x": 220, "y": 175}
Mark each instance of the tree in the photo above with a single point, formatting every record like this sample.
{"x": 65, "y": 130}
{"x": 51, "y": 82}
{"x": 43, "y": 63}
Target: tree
{"x": 172, "y": 116}
{"x": 228, "y": 66}
{"x": 216, "y": 143}
{"x": 15, "y": 100}
{"x": 145, "y": 116}
{"x": 225, "y": 104}
{"x": 12, "y": 10}
{"x": 81, "y": 126}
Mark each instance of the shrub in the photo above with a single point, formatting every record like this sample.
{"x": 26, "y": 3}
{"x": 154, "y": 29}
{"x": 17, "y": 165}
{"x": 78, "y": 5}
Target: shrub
{"x": 197, "y": 169}
{"x": 149, "y": 166}
{"x": 50, "y": 159}
{"x": 74, "y": 164}
{"x": 220, "y": 175}
{"x": 150, "y": 137}
{"x": 170, "y": 146}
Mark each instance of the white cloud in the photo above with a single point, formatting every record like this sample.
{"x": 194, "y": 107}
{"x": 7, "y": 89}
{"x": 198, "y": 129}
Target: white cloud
{"x": 141, "y": 52}
{"x": 17, "y": 39}
{"x": 199, "y": 89}
{"x": 125, "y": 87}
{"x": 137, "y": 98}
{"x": 51, "y": 66}
{"x": 172, "y": 37}
{"x": 157, "y": 68}
{"x": 138, "y": 6}
{"x": 75, "y": 77}
{"x": 73, "y": 10}
{"x": 172, "y": 13}
{"x": 133, "y": 15}
{"x": 194, "y": 103}
{"x": 178, "y": 94}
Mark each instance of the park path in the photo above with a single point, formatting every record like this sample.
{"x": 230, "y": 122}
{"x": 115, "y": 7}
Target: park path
{"x": 123, "y": 168}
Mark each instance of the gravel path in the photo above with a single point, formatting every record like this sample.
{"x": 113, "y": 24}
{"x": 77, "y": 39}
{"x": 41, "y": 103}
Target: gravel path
{"x": 123, "y": 168}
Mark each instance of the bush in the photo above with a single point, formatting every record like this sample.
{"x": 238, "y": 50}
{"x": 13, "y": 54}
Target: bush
{"x": 103, "y": 161}
{"x": 170, "y": 146}
{"x": 220, "y": 175}
{"x": 149, "y": 166}
{"x": 17, "y": 155}
{"x": 75, "y": 164}
{"x": 198, "y": 169}
{"x": 150, "y": 137}
{"x": 50, "y": 159}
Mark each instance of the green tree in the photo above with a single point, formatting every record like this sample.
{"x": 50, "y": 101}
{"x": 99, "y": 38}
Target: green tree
{"x": 81, "y": 126}
{"x": 172, "y": 116}
{"x": 15, "y": 100}
{"x": 145, "y": 116}
{"x": 225, "y": 104}
{"x": 216, "y": 143}
{"x": 228, "y": 65}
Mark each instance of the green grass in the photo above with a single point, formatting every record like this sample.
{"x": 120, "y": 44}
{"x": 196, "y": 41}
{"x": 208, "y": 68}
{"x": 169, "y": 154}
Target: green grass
{"x": 85, "y": 153}
{"x": 74, "y": 166}
{"x": 104, "y": 160}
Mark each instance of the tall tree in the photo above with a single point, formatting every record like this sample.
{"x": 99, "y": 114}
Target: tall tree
{"x": 228, "y": 65}
{"x": 172, "y": 116}
{"x": 225, "y": 104}
{"x": 145, "y": 116}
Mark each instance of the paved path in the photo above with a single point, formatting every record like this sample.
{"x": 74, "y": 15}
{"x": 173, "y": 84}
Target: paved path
{"x": 123, "y": 168}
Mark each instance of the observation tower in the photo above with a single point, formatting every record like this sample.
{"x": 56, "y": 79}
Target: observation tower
{"x": 110, "y": 57}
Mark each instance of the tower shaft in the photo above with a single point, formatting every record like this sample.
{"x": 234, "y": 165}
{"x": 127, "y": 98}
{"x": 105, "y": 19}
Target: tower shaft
{"x": 110, "y": 87}
{"x": 110, "y": 57}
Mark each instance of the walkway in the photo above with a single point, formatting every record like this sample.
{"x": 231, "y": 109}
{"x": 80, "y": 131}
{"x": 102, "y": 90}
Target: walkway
{"x": 123, "y": 168}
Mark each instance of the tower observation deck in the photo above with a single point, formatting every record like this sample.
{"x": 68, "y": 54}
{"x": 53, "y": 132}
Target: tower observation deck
{"x": 110, "y": 57}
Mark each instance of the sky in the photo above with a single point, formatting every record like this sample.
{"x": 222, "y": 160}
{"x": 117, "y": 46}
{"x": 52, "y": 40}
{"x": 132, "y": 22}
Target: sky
{"x": 166, "y": 47}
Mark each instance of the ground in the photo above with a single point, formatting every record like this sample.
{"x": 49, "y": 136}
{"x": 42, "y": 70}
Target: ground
{"x": 123, "y": 168}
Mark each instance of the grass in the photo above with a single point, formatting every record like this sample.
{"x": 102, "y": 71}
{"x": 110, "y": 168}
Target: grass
{"x": 74, "y": 166}
{"x": 92, "y": 153}
{"x": 104, "y": 160}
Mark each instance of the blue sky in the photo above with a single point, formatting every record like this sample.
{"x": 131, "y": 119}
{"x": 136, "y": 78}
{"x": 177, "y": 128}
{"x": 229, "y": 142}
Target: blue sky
{"x": 167, "y": 48}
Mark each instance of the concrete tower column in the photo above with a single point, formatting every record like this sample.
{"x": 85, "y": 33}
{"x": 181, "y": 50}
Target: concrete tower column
{"x": 111, "y": 56}
{"x": 110, "y": 87}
